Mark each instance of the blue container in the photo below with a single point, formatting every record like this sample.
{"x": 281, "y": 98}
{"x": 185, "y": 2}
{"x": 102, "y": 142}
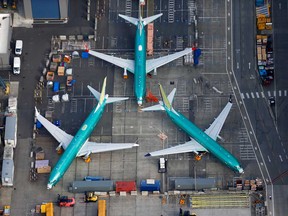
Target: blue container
{"x": 94, "y": 178}
{"x": 85, "y": 55}
{"x": 38, "y": 124}
{"x": 150, "y": 187}
{"x": 56, "y": 87}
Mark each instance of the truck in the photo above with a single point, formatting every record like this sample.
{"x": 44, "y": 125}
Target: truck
{"x": 162, "y": 165}
{"x": 196, "y": 55}
{"x": 10, "y": 137}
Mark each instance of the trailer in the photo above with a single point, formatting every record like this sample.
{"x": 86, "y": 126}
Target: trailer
{"x": 7, "y": 172}
{"x": 10, "y": 137}
{"x": 99, "y": 186}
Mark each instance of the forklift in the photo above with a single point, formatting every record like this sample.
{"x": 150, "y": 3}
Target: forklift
{"x": 90, "y": 197}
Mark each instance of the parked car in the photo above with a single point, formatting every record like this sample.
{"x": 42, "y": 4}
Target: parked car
{"x": 162, "y": 165}
{"x": 18, "y": 47}
{"x": 16, "y": 65}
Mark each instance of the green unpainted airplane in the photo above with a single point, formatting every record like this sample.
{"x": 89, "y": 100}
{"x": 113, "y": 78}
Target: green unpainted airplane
{"x": 200, "y": 141}
{"x": 79, "y": 145}
{"x": 140, "y": 66}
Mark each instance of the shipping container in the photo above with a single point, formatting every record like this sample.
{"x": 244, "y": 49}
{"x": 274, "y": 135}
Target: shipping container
{"x": 194, "y": 184}
{"x": 101, "y": 207}
{"x": 7, "y": 173}
{"x": 99, "y": 186}
{"x": 150, "y": 185}
{"x": 10, "y": 136}
{"x": 126, "y": 186}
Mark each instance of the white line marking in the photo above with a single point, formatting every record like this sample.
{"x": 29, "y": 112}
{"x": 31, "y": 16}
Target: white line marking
{"x": 242, "y": 96}
{"x": 274, "y": 93}
{"x": 279, "y": 93}
{"x": 269, "y": 158}
{"x": 252, "y": 95}
{"x": 262, "y": 94}
{"x": 257, "y": 94}
{"x": 285, "y": 93}
{"x": 269, "y": 94}
{"x": 247, "y": 95}
{"x": 280, "y": 158}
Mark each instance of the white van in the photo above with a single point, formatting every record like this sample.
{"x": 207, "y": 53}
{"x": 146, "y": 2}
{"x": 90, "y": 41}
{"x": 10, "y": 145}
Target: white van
{"x": 18, "y": 47}
{"x": 16, "y": 65}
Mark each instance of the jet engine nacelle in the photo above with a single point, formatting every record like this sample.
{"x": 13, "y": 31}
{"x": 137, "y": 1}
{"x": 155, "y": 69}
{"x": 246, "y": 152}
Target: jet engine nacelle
{"x": 155, "y": 71}
{"x": 59, "y": 148}
{"x": 125, "y": 75}
{"x": 86, "y": 157}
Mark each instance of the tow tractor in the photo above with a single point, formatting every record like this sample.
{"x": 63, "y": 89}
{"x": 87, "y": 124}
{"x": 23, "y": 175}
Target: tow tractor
{"x": 64, "y": 201}
{"x": 90, "y": 197}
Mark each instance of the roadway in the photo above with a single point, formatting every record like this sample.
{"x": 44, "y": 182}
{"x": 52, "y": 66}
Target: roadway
{"x": 268, "y": 129}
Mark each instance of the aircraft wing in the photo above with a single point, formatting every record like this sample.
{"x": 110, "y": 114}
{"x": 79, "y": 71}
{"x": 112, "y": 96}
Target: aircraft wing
{"x": 152, "y": 64}
{"x": 191, "y": 146}
{"x": 61, "y": 136}
{"x": 93, "y": 147}
{"x": 215, "y": 128}
{"x": 127, "y": 64}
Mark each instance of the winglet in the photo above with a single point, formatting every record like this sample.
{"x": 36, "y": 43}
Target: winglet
{"x": 164, "y": 98}
{"x": 36, "y": 112}
{"x": 147, "y": 155}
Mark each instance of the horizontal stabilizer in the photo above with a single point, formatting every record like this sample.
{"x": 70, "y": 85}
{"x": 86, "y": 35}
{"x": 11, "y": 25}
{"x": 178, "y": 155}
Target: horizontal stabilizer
{"x": 150, "y": 19}
{"x": 116, "y": 99}
{"x": 94, "y": 92}
{"x": 157, "y": 107}
{"x": 132, "y": 20}
{"x": 191, "y": 146}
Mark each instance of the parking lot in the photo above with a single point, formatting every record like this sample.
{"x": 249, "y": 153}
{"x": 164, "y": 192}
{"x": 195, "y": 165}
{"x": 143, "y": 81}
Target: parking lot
{"x": 202, "y": 92}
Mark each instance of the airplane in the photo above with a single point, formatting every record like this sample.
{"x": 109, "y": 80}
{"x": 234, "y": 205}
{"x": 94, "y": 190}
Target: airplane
{"x": 79, "y": 145}
{"x": 200, "y": 141}
{"x": 140, "y": 66}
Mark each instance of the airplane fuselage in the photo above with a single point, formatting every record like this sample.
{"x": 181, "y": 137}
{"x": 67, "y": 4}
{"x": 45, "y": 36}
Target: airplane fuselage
{"x": 75, "y": 145}
{"x": 140, "y": 64}
{"x": 206, "y": 141}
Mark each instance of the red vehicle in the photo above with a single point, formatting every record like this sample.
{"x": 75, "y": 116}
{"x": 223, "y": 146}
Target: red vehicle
{"x": 64, "y": 201}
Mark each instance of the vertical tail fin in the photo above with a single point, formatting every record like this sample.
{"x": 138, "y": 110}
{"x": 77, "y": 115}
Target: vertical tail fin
{"x": 101, "y": 96}
{"x": 167, "y": 101}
